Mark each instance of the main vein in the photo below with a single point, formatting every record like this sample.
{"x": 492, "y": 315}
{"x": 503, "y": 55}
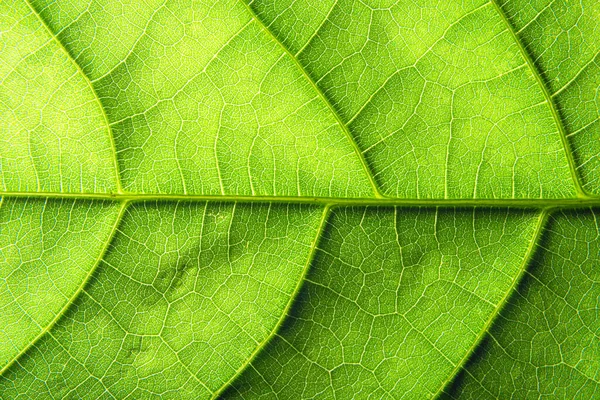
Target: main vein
{"x": 549, "y": 99}
{"x": 326, "y": 201}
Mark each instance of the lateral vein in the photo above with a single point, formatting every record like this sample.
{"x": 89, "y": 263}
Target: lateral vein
{"x": 549, "y": 99}
{"x": 311, "y": 255}
{"x": 87, "y": 80}
{"x": 529, "y": 253}
{"x": 76, "y": 294}
{"x": 324, "y": 98}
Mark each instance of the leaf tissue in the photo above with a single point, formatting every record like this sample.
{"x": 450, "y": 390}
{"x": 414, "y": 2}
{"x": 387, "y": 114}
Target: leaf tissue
{"x": 293, "y": 199}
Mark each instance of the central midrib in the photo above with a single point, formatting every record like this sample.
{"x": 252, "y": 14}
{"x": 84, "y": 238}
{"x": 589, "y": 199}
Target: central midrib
{"x": 325, "y": 201}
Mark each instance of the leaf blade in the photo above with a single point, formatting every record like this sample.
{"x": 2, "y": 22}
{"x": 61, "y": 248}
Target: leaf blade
{"x": 377, "y": 318}
{"x": 445, "y": 104}
{"x": 550, "y": 327}
{"x": 178, "y": 282}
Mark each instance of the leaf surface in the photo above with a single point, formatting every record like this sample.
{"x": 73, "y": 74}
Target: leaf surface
{"x": 349, "y": 199}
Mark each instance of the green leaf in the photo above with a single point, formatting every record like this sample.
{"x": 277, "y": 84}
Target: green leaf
{"x": 299, "y": 199}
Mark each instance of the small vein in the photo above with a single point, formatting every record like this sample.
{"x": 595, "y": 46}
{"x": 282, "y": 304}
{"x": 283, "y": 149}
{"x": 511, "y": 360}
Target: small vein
{"x": 316, "y": 32}
{"x": 577, "y": 75}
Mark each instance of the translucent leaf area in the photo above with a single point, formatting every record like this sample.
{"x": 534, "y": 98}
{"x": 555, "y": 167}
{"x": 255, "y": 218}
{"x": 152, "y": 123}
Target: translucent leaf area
{"x": 299, "y": 199}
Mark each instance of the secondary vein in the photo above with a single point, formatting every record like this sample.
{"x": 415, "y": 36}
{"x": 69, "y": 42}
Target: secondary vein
{"x": 326, "y": 101}
{"x": 87, "y": 80}
{"x": 529, "y": 253}
{"x": 311, "y": 255}
{"x": 66, "y": 306}
{"x": 549, "y": 99}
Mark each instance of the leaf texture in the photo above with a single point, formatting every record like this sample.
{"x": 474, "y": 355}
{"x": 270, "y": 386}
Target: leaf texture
{"x": 299, "y": 199}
